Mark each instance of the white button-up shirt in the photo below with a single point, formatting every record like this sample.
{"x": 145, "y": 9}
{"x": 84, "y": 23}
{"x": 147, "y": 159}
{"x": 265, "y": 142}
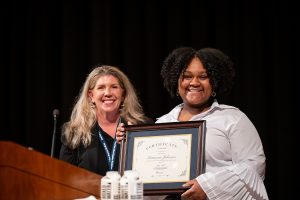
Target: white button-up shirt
{"x": 234, "y": 155}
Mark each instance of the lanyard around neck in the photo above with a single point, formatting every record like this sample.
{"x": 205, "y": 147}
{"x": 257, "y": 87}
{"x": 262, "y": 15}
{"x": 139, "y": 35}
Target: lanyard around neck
{"x": 110, "y": 157}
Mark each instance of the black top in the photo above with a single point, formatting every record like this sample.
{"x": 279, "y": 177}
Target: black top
{"x": 93, "y": 157}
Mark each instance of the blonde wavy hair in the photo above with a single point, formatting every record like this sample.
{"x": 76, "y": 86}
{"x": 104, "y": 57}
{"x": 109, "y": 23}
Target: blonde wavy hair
{"x": 83, "y": 116}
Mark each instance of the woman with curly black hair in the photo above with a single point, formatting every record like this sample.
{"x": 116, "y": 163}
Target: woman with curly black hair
{"x": 235, "y": 159}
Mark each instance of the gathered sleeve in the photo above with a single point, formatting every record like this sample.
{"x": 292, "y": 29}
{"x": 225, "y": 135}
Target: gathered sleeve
{"x": 243, "y": 178}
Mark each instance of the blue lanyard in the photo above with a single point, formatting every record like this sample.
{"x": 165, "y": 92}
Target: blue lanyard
{"x": 110, "y": 157}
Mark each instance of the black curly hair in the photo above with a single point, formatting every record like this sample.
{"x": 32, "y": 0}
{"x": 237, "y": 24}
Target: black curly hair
{"x": 218, "y": 65}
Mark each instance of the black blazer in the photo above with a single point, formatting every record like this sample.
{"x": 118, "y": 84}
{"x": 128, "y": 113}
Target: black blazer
{"x": 93, "y": 157}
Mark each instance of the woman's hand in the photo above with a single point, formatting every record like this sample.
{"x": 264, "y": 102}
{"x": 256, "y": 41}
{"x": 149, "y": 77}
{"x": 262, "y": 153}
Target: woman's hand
{"x": 194, "y": 192}
{"x": 120, "y": 134}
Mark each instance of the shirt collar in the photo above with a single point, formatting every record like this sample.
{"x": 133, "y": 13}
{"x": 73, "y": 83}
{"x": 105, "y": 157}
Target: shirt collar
{"x": 215, "y": 105}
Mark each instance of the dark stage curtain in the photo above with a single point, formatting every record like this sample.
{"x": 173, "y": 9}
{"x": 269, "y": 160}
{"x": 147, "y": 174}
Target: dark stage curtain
{"x": 50, "y": 46}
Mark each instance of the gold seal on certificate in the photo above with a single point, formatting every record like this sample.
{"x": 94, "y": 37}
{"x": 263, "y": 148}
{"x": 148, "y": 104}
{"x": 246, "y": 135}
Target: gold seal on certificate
{"x": 166, "y": 155}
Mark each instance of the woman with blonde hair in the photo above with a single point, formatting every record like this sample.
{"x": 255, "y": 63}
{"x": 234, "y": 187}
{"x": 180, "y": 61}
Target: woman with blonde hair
{"x": 106, "y": 99}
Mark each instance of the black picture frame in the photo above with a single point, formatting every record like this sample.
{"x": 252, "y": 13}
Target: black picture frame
{"x": 196, "y": 131}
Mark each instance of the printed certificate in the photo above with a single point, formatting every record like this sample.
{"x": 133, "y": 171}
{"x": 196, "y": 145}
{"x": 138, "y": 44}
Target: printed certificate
{"x": 163, "y": 158}
{"x": 166, "y": 155}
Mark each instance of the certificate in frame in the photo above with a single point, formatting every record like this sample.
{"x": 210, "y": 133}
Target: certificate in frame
{"x": 166, "y": 155}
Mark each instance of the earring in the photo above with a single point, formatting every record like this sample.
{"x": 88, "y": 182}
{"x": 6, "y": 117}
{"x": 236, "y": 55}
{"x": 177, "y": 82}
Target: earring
{"x": 121, "y": 106}
{"x": 92, "y": 104}
{"x": 213, "y": 94}
{"x": 177, "y": 93}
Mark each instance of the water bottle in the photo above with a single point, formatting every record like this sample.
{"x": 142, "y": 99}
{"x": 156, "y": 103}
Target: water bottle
{"x": 110, "y": 186}
{"x": 131, "y": 186}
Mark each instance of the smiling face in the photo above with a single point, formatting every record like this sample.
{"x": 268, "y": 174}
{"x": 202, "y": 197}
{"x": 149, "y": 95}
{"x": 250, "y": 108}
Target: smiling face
{"x": 194, "y": 85}
{"x": 107, "y": 94}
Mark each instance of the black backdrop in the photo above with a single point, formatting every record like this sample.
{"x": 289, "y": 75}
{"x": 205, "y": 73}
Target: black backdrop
{"x": 50, "y": 46}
